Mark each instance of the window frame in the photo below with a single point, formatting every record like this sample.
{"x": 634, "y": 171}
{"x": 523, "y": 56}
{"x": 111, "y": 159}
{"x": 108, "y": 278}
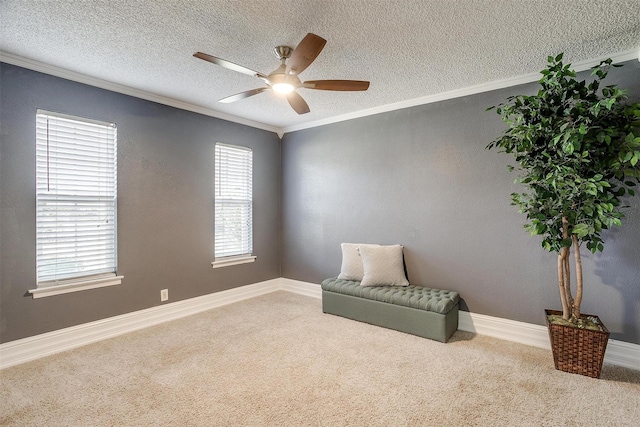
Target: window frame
{"x": 246, "y": 254}
{"x": 64, "y": 282}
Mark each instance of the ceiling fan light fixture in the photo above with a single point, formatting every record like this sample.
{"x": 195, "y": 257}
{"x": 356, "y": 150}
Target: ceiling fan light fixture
{"x": 284, "y": 79}
{"x": 283, "y": 87}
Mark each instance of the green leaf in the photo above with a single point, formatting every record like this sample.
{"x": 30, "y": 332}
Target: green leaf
{"x": 582, "y": 129}
{"x": 580, "y": 230}
{"x": 568, "y": 148}
{"x": 609, "y": 103}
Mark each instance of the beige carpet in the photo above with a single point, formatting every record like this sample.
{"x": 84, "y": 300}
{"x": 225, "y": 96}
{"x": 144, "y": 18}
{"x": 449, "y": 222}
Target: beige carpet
{"x": 276, "y": 360}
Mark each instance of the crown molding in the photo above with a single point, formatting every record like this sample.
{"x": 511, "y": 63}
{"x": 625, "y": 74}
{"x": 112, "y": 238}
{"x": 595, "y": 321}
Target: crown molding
{"x": 457, "y": 93}
{"x": 64, "y": 73}
{"x": 429, "y": 99}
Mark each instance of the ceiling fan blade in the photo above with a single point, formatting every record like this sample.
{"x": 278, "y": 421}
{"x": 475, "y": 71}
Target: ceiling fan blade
{"x": 243, "y": 95}
{"x": 305, "y": 53}
{"x": 336, "y": 84}
{"x": 297, "y": 103}
{"x": 229, "y": 65}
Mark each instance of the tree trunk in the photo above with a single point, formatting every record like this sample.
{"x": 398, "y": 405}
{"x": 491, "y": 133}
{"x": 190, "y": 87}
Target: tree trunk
{"x": 561, "y": 279}
{"x": 575, "y": 308}
{"x": 564, "y": 274}
{"x": 567, "y": 280}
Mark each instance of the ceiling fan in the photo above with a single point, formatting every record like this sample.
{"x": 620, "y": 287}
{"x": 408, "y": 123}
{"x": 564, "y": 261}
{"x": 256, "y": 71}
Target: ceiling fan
{"x": 284, "y": 79}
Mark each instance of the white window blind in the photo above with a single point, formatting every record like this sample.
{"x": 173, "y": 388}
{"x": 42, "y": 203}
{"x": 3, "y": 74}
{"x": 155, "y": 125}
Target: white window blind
{"x": 233, "y": 201}
{"x": 76, "y": 185}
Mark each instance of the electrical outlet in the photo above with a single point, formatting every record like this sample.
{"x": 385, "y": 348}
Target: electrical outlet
{"x": 164, "y": 294}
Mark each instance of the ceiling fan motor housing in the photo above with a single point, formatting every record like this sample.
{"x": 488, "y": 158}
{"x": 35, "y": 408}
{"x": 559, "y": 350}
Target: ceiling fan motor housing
{"x": 282, "y": 52}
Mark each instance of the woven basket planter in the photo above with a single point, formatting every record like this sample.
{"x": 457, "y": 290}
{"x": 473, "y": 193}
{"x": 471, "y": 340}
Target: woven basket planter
{"x": 578, "y": 351}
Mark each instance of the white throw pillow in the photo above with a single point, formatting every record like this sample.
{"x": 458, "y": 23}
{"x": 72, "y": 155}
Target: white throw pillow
{"x": 352, "y": 268}
{"x": 383, "y": 266}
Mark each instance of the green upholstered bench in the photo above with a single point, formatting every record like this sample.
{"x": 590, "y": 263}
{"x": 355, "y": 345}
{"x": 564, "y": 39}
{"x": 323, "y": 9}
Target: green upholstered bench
{"x": 417, "y": 310}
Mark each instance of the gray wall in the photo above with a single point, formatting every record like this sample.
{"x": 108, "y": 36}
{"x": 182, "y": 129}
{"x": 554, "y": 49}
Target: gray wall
{"x": 165, "y": 203}
{"x": 418, "y": 176}
{"x": 421, "y": 177}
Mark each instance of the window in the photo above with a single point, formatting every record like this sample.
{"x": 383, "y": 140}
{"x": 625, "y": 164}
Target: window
{"x": 233, "y": 205}
{"x": 76, "y": 181}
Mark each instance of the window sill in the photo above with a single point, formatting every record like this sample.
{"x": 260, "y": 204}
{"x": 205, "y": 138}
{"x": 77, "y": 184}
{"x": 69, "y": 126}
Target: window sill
{"x": 65, "y": 287}
{"x": 226, "y": 262}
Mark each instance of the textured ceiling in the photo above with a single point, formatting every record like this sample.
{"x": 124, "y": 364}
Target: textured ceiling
{"x": 407, "y": 49}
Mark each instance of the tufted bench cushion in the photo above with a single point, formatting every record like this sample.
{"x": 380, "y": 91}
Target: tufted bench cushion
{"x": 422, "y": 311}
{"x": 435, "y": 300}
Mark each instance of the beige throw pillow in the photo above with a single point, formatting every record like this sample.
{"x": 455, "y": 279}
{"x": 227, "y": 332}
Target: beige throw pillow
{"x": 383, "y": 266}
{"x": 352, "y": 268}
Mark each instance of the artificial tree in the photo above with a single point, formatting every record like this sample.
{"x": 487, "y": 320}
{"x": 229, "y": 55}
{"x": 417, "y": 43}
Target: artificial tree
{"x": 577, "y": 149}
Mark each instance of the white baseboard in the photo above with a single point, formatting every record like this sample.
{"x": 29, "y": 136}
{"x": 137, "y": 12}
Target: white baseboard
{"x": 303, "y": 288}
{"x": 619, "y": 353}
{"x": 31, "y": 348}
{"x": 509, "y": 330}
